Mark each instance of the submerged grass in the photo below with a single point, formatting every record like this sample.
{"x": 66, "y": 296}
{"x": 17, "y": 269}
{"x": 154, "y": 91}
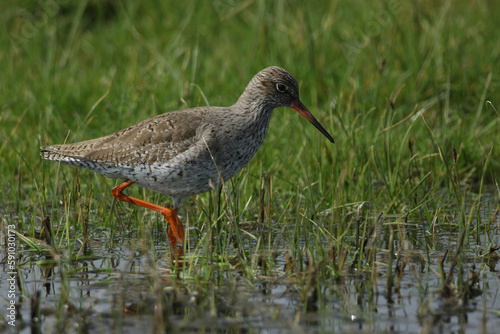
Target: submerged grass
{"x": 408, "y": 90}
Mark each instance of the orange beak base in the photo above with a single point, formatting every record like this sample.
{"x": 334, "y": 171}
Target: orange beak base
{"x": 297, "y": 105}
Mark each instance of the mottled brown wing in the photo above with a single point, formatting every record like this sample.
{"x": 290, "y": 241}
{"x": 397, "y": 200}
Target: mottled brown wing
{"x": 156, "y": 139}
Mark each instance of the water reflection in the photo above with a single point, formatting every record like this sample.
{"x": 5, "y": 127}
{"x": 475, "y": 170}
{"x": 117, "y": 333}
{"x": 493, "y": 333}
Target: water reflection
{"x": 135, "y": 288}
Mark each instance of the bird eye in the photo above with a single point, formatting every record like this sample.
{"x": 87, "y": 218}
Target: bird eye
{"x": 281, "y": 87}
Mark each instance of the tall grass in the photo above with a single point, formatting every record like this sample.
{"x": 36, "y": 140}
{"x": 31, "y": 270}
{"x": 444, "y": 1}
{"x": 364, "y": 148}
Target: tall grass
{"x": 408, "y": 90}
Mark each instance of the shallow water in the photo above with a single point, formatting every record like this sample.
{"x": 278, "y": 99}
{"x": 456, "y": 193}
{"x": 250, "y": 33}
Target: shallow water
{"x": 117, "y": 285}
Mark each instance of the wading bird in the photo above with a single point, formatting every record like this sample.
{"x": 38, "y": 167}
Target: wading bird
{"x": 187, "y": 152}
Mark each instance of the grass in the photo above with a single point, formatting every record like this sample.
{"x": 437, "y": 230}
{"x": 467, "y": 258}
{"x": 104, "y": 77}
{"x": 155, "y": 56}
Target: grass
{"x": 408, "y": 90}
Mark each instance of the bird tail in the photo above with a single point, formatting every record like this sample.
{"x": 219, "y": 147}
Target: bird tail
{"x": 53, "y": 153}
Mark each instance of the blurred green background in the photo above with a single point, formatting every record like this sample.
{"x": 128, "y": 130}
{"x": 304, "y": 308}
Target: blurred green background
{"x": 401, "y": 85}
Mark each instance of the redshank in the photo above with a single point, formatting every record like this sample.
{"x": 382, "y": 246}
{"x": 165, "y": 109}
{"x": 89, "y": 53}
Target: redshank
{"x": 187, "y": 152}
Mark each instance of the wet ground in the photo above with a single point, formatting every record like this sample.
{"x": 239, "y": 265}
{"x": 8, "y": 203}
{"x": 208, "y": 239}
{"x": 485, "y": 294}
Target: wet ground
{"x": 123, "y": 285}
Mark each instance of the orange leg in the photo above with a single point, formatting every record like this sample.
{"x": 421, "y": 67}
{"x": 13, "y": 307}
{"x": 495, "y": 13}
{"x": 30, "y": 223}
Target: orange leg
{"x": 175, "y": 231}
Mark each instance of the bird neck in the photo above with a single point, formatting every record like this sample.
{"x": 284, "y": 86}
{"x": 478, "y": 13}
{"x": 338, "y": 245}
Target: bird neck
{"x": 253, "y": 117}
{"x": 253, "y": 102}
{"x": 254, "y": 110}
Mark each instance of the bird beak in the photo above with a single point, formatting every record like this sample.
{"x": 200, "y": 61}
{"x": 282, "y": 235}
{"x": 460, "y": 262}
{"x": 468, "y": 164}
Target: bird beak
{"x": 297, "y": 105}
